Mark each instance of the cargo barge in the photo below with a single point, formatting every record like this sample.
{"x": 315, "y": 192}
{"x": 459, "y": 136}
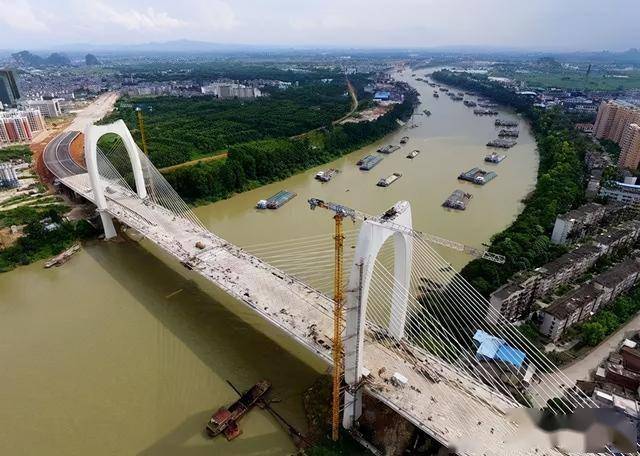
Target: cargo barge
{"x": 388, "y": 149}
{"x": 506, "y": 123}
{"x": 507, "y": 133}
{"x": 386, "y": 181}
{"x": 494, "y": 158}
{"x": 413, "y": 154}
{"x": 225, "y": 420}
{"x": 502, "y": 143}
{"x": 277, "y": 200}
{"x": 369, "y": 162}
{"x": 485, "y": 112}
{"x": 477, "y": 176}
{"x": 458, "y": 200}
{"x": 404, "y": 140}
{"x": 326, "y": 176}
{"x": 63, "y": 257}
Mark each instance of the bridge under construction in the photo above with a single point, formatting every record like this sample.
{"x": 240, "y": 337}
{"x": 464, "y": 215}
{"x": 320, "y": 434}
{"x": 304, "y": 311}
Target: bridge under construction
{"x": 417, "y": 336}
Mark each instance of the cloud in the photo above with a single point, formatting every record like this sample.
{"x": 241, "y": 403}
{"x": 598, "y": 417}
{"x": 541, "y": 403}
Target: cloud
{"x": 19, "y": 15}
{"x": 135, "y": 20}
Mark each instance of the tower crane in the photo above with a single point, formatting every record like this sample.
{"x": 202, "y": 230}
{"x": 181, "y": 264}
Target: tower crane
{"x": 340, "y": 213}
{"x": 355, "y": 214}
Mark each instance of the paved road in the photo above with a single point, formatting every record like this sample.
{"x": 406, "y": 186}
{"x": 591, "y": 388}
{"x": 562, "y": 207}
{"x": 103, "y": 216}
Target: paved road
{"x": 57, "y": 155}
{"x": 581, "y": 369}
{"x": 93, "y": 112}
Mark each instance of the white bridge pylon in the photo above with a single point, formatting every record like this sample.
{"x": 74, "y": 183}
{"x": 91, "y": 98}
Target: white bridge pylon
{"x": 92, "y": 134}
{"x": 371, "y": 238}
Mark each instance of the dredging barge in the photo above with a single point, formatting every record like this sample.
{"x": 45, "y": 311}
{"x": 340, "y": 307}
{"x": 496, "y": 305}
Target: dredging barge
{"x": 225, "y": 420}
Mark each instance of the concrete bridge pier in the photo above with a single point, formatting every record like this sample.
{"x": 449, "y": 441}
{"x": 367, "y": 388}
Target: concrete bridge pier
{"x": 371, "y": 238}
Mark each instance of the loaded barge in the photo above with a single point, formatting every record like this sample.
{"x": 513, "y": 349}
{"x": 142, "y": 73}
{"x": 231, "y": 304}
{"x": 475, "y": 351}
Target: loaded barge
{"x": 63, "y": 257}
{"x": 485, "y": 112}
{"x": 326, "y": 176}
{"x": 494, "y": 158}
{"x": 389, "y": 149}
{"x": 477, "y": 176}
{"x": 502, "y": 143}
{"x": 386, "y": 181}
{"x": 277, "y": 200}
{"x": 458, "y": 200}
{"x": 506, "y": 123}
{"x": 507, "y": 133}
{"x": 369, "y": 162}
{"x": 225, "y": 420}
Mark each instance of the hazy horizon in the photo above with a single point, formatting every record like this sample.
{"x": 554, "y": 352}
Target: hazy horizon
{"x": 544, "y": 26}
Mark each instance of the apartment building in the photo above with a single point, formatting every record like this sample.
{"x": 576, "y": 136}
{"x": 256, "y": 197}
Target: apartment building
{"x": 581, "y": 304}
{"x": 573, "y": 225}
{"x": 19, "y": 126}
{"x": 574, "y": 307}
{"x": 514, "y": 299}
{"x": 630, "y": 147}
{"x": 621, "y": 192}
{"x": 48, "y": 108}
{"x": 613, "y": 118}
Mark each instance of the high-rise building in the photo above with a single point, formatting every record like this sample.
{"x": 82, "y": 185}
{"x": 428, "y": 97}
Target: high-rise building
{"x": 48, "y": 108}
{"x": 630, "y": 147}
{"x": 9, "y": 92}
{"x": 19, "y": 126}
{"x": 613, "y": 119}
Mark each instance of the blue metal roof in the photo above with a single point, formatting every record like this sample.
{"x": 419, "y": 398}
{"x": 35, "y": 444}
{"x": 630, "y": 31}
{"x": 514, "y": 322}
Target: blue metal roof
{"x": 496, "y": 349}
{"x": 382, "y": 95}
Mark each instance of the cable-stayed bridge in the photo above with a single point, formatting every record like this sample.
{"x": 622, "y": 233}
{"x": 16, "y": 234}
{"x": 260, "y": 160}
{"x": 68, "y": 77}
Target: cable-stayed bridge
{"x": 418, "y": 337}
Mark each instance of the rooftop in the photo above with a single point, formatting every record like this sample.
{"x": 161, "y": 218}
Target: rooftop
{"x": 564, "y": 306}
{"x": 619, "y": 273}
{"x": 497, "y": 349}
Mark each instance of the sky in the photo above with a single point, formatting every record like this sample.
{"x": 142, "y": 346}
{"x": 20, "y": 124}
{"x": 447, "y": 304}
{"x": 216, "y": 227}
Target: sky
{"x": 565, "y": 25}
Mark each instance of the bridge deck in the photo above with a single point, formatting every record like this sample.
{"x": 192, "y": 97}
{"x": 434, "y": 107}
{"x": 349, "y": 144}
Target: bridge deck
{"x": 438, "y": 407}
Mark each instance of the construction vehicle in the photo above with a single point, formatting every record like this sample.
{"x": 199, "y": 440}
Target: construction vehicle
{"x": 340, "y": 213}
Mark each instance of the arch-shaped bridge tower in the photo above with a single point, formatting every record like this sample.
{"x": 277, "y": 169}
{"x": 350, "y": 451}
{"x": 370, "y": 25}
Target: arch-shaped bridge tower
{"x": 92, "y": 134}
{"x": 371, "y": 238}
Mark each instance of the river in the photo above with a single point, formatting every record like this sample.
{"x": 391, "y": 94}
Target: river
{"x": 118, "y": 352}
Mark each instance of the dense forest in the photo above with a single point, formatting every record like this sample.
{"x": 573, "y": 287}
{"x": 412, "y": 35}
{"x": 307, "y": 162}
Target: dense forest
{"x": 181, "y": 129}
{"x": 560, "y": 187}
{"x": 259, "y": 162}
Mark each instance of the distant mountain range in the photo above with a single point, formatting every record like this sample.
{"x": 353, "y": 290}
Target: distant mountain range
{"x": 59, "y": 54}
{"x": 26, "y": 58}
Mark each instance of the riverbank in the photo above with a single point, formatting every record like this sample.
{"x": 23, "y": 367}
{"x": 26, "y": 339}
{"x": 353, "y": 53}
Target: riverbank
{"x": 559, "y": 187}
{"x": 253, "y": 164}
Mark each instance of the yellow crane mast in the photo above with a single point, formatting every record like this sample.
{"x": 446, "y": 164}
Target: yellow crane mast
{"x": 338, "y": 299}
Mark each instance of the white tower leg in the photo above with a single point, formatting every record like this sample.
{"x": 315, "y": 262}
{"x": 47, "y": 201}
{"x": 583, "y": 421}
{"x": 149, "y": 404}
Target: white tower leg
{"x": 371, "y": 238}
